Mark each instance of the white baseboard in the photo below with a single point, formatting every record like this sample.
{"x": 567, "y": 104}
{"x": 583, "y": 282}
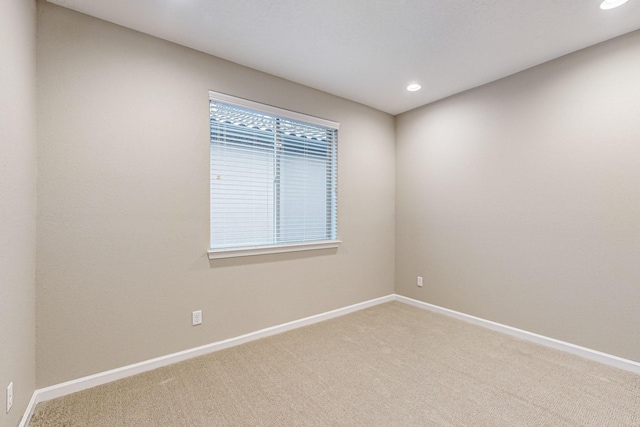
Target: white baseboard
{"x": 73, "y": 386}
{"x": 29, "y": 411}
{"x": 587, "y": 353}
{"x": 63, "y": 389}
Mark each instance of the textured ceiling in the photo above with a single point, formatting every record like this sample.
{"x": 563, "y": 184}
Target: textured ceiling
{"x": 369, "y": 50}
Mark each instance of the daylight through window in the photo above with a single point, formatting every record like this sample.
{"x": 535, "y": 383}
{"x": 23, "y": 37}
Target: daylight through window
{"x": 273, "y": 177}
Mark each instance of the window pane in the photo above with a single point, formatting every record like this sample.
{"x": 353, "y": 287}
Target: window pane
{"x": 273, "y": 179}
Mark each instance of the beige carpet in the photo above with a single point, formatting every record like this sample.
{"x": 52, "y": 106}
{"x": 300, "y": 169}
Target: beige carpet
{"x": 390, "y": 365}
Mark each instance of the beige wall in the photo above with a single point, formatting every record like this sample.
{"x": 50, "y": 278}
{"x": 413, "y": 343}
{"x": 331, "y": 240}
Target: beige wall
{"x": 17, "y": 204}
{"x": 123, "y": 203}
{"x": 519, "y": 201}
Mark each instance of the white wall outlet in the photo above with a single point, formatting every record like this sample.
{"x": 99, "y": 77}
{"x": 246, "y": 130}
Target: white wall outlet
{"x": 196, "y": 317}
{"x": 9, "y": 396}
{"x": 419, "y": 281}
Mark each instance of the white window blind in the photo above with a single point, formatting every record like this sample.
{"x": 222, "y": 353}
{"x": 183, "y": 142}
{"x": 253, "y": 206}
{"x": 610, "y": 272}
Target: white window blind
{"x": 273, "y": 176}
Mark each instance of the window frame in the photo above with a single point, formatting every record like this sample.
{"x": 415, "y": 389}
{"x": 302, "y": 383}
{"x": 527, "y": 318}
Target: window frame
{"x": 242, "y": 251}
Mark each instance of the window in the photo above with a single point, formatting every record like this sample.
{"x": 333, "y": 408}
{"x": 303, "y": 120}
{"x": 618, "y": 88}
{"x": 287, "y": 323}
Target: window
{"x": 273, "y": 179}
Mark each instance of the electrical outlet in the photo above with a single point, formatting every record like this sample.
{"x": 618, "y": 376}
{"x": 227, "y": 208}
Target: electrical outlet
{"x": 419, "y": 281}
{"x": 9, "y": 396}
{"x": 196, "y": 317}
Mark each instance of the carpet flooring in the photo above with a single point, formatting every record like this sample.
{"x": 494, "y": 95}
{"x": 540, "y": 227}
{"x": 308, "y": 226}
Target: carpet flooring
{"x": 389, "y": 365}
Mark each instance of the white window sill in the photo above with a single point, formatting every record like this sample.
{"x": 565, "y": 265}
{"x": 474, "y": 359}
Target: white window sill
{"x": 271, "y": 249}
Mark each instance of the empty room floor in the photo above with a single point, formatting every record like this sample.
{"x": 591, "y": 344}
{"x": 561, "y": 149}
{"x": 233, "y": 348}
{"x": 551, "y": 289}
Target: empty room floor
{"x": 389, "y": 365}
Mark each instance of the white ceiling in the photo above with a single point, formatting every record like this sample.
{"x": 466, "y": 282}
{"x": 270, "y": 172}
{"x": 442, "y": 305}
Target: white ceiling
{"x": 369, "y": 50}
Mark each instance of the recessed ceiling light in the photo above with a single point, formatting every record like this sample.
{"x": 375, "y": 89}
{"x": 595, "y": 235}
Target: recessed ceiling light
{"x": 413, "y": 87}
{"x": 610, "y": 4}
